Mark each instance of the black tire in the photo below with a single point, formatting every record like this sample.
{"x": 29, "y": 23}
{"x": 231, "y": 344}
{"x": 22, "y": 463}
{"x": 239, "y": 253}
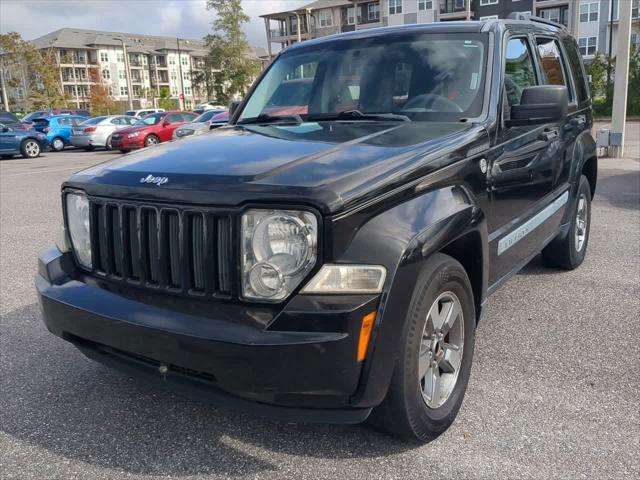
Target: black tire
{"x": 88, "y": 149}
{"x": 6, "y": 157}
{"x": 57, "y": 144}
{"x": 107, "y": 144}
{"x": 30, "y": 148}
{"x": 568, "y": 251}
{"x": 124, "y": 151}
{"x": 404, "y": 412}
{"x": 151, "y": 140}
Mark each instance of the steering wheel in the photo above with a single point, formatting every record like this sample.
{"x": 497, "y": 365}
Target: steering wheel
{"x": 432, "y": 102}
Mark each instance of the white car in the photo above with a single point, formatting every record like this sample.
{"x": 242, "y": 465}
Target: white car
{"x": 96, "y": 132}
{"x": 210, "y": 106}
{"x": 143, "y": 112}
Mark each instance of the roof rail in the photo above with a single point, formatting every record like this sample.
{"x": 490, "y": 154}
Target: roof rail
{"x": 532, "y": 18}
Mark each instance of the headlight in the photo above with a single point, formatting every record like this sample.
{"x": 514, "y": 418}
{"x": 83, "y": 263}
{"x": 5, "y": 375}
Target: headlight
{"x": 279, "y": 248}
{"x": 133, "y": 135}
{"x": 184, "y": 133}
{"x": 79, "y": 227}
{"x": 346, "y": 279}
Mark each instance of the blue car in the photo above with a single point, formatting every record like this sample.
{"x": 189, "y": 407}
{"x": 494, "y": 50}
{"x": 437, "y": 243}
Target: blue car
{"x": 58, "y": 129}
{"x": 28, "y": 143}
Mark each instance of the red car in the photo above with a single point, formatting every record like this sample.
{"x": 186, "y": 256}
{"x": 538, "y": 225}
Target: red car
{"x": 150, "y": 130}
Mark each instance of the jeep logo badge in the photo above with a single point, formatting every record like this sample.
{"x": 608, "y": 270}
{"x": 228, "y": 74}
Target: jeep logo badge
{"x": 155, "y": 180}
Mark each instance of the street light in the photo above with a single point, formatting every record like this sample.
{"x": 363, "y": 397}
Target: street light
{"x": 127, "y": 70}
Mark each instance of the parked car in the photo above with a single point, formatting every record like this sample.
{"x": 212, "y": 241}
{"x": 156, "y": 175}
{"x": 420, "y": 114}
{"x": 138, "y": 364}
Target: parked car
{"x": 210, "y": 106}
{"x": 332, "y": 265}
{"x": 18, "y": 141}
{"x": 143, "y": 113}
{"x": 57, "y": 128}
{"x": 10, "y": 120}
{"x": 30, "y": 117}
{"x": 150, "y": 130}
{"x": 200, "y": 125}
{"x": 97, "y": 131}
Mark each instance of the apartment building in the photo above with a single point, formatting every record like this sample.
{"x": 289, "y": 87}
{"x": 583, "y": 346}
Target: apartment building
{"x": 326, "y": 17}
{"x": 134, "y": 67}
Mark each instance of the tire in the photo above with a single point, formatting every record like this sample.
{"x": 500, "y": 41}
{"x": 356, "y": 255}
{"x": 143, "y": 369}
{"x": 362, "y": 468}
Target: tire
{"x": 57, "y": 144}
{"x": 88, "y": 149}
{"x": 107, "y": 144}
{"x": 6, "y": 157}
{"x": 30, "y": 149}
{"x": 151, "y": 140}
{"x": 568, "y": 252}
{"x": 124, "y": 151}
{"x": 409, "y": 410}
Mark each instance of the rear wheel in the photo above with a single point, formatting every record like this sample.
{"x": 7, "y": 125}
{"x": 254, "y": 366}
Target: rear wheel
{"x": 57, "y": 144}
{"x": 432, "y": 370}
{"x": 569, "y": 252}
{"x": 30, "y": 149}
{"x": 107, "y": 144}
{"x": 151, "y": 140}
{"x": 124, "y": 151}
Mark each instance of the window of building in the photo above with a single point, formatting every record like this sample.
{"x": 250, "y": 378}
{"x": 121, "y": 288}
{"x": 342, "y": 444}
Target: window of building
{"x": 589, "y": 12}
{"x": 489, "y": 17}
{"x": 173, "y": 75}
{"x": 185, "y": 60}
{"x": 122, "y": 75}
{"x": 425, "y": 5}
{"x": 552, "y": 14}
{"x": 395, "y": 7}
{"x": 488, "y": 2}
{"x": 373, "y": 11}
{"x": 185, "y": 75}
{"x": 174, "y": 91}
{"x": 120, "y": 57}
{"x": 519, "y": 70}
{"x": 104, "y": 57}
{"x": 635, "y": 9}
{"x": 634, "y": 40}
{"x": 172, "y": 60}
{"x": 124, "y": 91}
{"x": 351, "y": 16}
{"x": 106, "y": 74}
{"x": 187, "y": 90}
{"x": 552, "y": 64}
{"x": 588, "y": 46}
{"x": 325, "y": 17}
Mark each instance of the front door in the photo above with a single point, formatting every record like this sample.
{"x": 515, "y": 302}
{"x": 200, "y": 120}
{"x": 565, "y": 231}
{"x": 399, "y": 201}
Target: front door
{"x": 521, "y": 171}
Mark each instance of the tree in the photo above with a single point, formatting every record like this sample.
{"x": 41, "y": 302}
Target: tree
{"x": 165, "y": 100}
{"x": 100, "y": 99}
{"x": 33, "y": 75}
{"x": 228, "y": 70}
{"x": 597, "y": 71}
{"x": 633, "y": 98}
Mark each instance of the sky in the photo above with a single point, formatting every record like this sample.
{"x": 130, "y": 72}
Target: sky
{"x": 180, "y": 18}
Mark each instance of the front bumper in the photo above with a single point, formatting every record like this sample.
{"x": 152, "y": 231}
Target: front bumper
{"x": 263, "y": 367}
{"x": 124, "y": 143}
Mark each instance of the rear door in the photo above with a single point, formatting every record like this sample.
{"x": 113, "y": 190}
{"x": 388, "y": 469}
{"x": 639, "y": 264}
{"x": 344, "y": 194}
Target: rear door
{"x": 7, "y": 141}
{"x": 522, "y": 170}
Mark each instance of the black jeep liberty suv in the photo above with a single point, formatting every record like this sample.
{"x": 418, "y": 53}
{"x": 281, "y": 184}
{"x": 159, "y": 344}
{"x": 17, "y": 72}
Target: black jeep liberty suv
{"x": 326, "y": 256}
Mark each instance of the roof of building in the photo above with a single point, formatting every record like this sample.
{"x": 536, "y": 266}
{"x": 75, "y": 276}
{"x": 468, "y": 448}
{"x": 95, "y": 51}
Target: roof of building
{"x": 315, "y": 5}
{"x": 136, "y": 43}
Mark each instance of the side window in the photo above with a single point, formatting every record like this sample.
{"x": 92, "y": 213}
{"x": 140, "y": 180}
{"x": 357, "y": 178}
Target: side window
{"x": 579, "y": 80}
{"x": 551, "y": 62}
{"x": 519, "y": 70}
{"x": 174, "y": 118}
{"x": 77, "y": 121}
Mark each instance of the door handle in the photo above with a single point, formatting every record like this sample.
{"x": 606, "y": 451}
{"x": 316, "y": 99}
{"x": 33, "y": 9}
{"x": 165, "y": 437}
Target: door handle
{"x": 549, "y": 134}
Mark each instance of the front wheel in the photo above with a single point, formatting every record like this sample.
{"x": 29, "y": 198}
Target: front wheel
{"x": 30, "y": 149}
{"x": 568, "y": 252}
{"x": 433, "y": 367}
{"x": 57, "y": 144}
{"x": 107, "y": 144}
{"x": 151, "y": 140}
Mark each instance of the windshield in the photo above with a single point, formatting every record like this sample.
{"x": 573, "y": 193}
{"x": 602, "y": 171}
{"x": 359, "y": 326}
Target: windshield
{"x": 429, "y": 77}
{"x": 152, "y": 119}
{"x": 206, "y": 116}
{"x": 32, "y": 116}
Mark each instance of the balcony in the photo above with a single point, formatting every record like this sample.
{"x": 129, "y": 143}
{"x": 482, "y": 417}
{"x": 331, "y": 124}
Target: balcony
{"x": 454, "y": 9}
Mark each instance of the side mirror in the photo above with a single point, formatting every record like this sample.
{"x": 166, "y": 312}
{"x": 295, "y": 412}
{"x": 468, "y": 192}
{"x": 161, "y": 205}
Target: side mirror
{"x": 233, "y": 106}
{"x": 539, "y": 105}
{"x": 166, "y": 123}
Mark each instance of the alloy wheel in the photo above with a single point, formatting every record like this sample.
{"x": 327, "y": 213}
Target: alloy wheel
{"x": 58, "y": 144}
{"x": 32, "y": 149}
{"x": 581, "y": 222}
{"x": 441, "y": 348}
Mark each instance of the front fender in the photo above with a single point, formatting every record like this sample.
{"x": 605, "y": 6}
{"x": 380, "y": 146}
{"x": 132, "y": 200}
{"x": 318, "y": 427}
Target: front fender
{"x": 401, "y": 238}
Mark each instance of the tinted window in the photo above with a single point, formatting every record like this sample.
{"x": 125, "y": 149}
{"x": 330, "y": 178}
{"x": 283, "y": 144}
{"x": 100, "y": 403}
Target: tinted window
{"x": 579, "y": 80}
{"x": 64, "y": 121}
{"x": 519, "y": 70}
{"x": 174, "y": 118}
{"x": 152, "y": 119}
{"x": 551, "y": 62}
{"x": 434, "y": 77}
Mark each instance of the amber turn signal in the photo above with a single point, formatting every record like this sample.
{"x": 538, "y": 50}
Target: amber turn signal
{"x": 365, "y": 334}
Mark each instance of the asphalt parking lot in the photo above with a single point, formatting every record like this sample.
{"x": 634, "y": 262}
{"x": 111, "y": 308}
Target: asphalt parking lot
{"x": 553, "y": 393}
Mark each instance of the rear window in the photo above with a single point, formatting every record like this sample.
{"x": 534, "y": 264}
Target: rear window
{"x": 152, "y": 119}
{"x": 93, "y": 121}
{"x": 42, "y": 122}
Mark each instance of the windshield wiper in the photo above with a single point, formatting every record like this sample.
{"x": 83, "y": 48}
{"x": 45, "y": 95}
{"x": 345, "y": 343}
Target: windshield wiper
{"x": 357, "y": 114}
{"x": 265, "y": 118}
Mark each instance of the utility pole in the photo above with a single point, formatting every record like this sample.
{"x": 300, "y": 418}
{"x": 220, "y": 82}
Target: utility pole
{"x": 620, "y": 86}
{"x": 181, "y": 96}
{"x": 3, "y": 85}
{"x": 574, "y": 24}
{"x": 127, "y": 70}
{"x": 607, "y": 92}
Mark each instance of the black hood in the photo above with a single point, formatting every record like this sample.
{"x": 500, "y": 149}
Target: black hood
{"x": 329, "y": 165}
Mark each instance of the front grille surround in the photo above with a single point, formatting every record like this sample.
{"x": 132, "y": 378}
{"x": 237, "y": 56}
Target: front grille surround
{"x": 182, "y": 250}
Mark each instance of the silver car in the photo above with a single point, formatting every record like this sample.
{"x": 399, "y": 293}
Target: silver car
{"x": 96, "y": 131}
{"x": 200, "y": 125}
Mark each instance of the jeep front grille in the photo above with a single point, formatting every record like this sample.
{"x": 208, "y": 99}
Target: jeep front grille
{"x": 173, "y": 249}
